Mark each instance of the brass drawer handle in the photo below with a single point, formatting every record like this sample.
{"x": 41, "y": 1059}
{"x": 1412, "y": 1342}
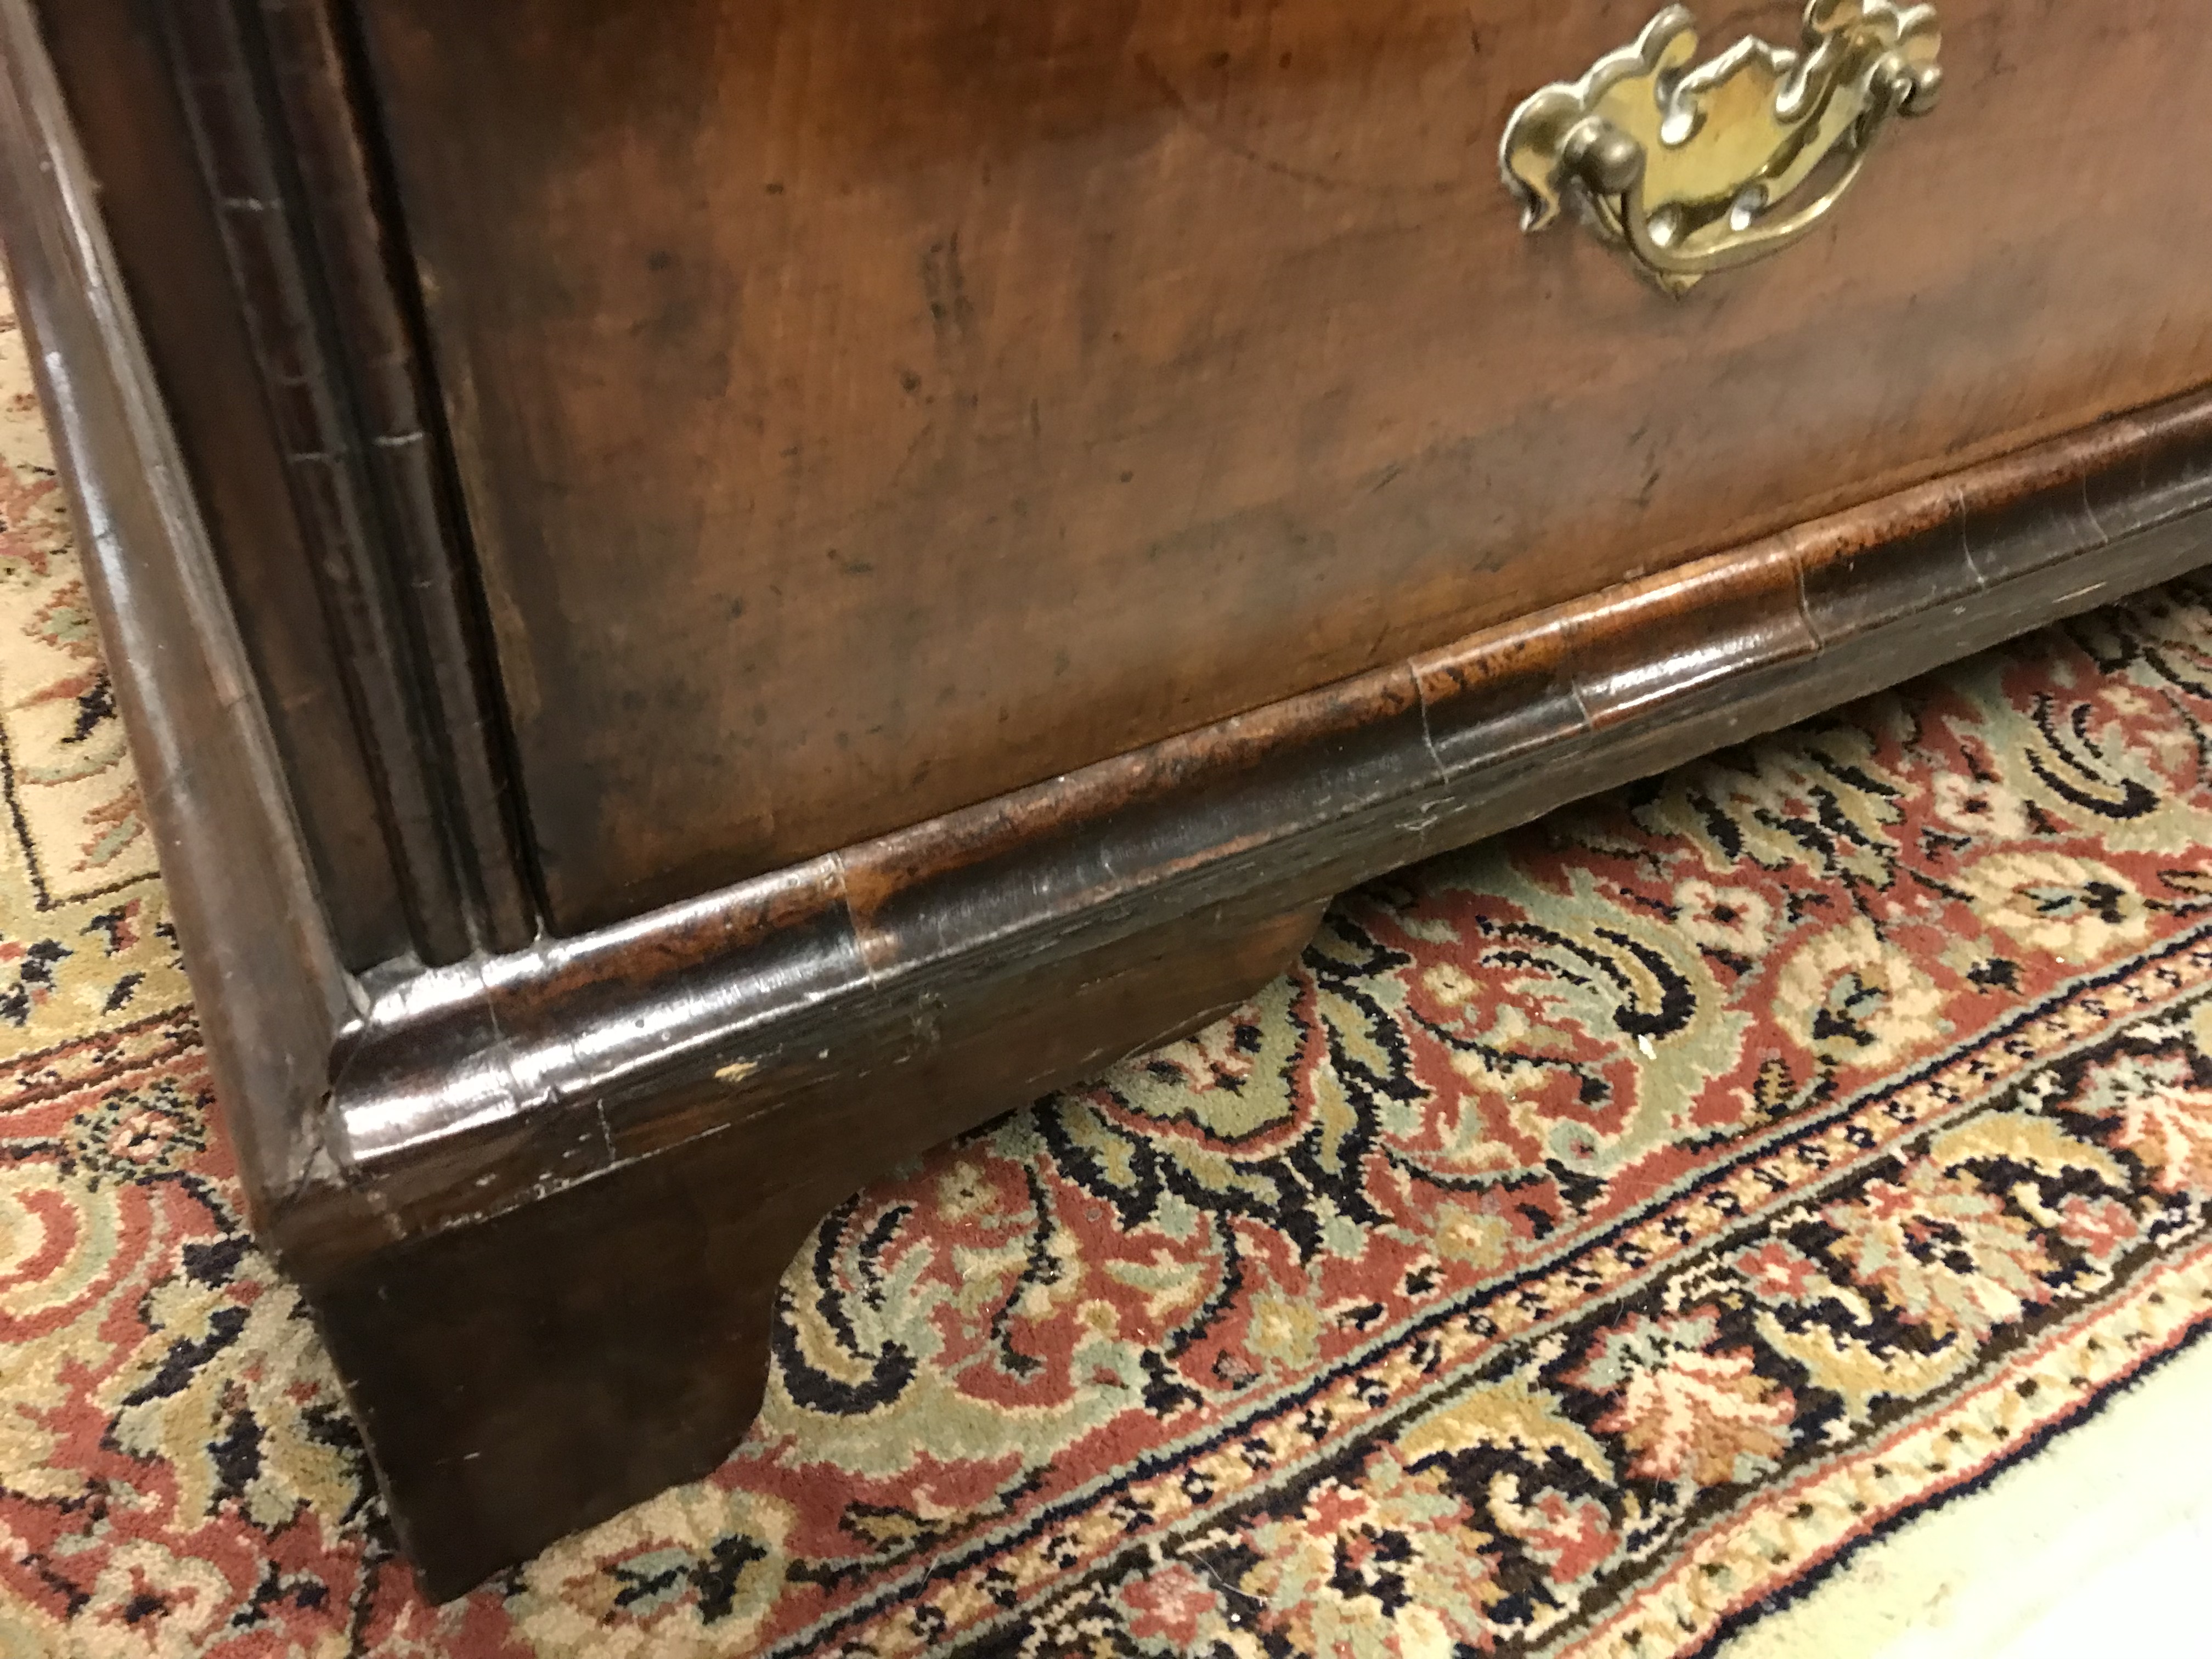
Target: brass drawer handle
{"x": 1690, "y": 171}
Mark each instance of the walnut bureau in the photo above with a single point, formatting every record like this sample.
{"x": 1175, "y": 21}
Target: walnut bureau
{"x": 710, "y": 593}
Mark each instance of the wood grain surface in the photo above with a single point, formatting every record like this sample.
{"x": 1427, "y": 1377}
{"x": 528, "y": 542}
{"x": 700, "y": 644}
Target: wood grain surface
{"x": 866, "y": 411}
{"x": 596, "y": 1156}
{"x": 997, "y": 514}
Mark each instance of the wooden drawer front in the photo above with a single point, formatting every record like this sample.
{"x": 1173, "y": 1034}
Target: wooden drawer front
{"x": 865, "y": 408}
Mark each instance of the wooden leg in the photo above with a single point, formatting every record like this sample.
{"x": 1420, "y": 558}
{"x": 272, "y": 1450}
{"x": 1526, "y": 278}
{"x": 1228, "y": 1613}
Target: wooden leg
{"x": 525, "y": 1375}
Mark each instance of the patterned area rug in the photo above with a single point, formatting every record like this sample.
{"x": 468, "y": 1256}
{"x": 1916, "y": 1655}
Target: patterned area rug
{"x": 1600, "y": 1232}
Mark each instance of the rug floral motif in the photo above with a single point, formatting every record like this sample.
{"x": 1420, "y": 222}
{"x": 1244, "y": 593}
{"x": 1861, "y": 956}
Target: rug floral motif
{"x": 1597, "y": 1235}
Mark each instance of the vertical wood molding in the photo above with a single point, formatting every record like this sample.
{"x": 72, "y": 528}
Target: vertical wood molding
{"x": 370, "y": 277}
{"x": 264, "y": 91}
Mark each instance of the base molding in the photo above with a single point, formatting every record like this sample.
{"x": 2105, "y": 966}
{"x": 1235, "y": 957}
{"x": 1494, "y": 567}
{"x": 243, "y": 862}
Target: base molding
{"x": 569, "y": 1179}
{"x": 529, "y": 1374}
{"x": 540, "y": 1201}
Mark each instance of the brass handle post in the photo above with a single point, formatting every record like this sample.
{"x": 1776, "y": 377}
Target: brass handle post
{"x": 1690, "y": 170}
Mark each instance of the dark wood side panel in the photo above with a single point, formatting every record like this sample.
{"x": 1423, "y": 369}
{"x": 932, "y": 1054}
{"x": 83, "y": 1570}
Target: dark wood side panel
{"x": 272, "y": 991}
{"x": 112, "y": 68}
{"x": 865, "y": 409}
{"x": 648, "y": 1118}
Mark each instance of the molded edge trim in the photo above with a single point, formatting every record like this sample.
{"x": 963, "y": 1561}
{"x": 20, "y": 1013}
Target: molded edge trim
{"x": 264, "y": 92}
{"x": 470, "y": 1089}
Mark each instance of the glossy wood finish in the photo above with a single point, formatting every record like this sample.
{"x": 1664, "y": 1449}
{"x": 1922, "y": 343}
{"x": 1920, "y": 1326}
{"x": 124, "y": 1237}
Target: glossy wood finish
{"x": 598, "y": 1155}
{"x": 539, "y": 1186}
{"x": 619, "y": 1331}
{"x": 866, "y": 411}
